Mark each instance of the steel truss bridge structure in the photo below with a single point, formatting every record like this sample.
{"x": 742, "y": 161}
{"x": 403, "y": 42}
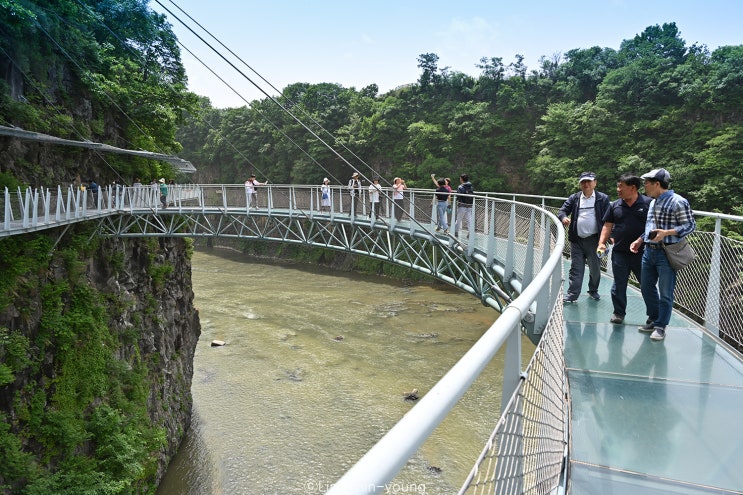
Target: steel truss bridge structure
{"x": 510, "y": 254}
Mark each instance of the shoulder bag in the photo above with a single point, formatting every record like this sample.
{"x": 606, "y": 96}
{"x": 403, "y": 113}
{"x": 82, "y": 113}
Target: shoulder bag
{"x": 679, "y": 254}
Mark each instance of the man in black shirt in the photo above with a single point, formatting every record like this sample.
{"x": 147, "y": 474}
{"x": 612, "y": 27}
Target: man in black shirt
{"x": 464, "y": 205}
{"x": 624, "y": 222}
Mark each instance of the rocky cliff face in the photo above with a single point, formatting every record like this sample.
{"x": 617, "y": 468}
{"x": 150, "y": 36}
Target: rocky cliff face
{"x": 169, "y": 328}
{"x": 97, "y": 338}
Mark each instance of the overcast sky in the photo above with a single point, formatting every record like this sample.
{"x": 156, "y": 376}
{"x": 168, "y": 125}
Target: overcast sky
{"x": 356, "y": 43}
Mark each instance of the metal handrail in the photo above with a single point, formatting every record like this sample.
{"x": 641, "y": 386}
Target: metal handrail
{"x": 380, "y": 464}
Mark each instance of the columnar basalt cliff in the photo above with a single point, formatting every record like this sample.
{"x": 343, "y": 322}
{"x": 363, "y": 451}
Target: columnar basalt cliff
{"x": 97, "y": 338}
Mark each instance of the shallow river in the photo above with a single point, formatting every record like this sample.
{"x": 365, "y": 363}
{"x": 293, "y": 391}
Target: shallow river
{"x": 313, "y": 374}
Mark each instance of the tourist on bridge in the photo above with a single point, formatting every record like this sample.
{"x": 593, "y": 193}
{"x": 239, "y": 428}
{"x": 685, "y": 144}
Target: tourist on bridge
{"x": 398, "y": 200}
{"x": 670, "y": 219}
{"x": 375, "y": 191}
{"x": 93, "y": 188}
{"x": 442, "y": 202}
{"x": 447, "y": 184}
{"x": 587, "y": 209}
{"x": 163, "y": 193}
{"x": 325, "y": 195}
{"x": 354, "y": 189}
{"x": 251, "y": 191}
{"x": 136, "y": 192}
{"x": 624, "y": 222}
{"x": 464, "y": 205}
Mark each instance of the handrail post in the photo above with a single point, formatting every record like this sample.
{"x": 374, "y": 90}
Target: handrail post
{"x": 712, "y": 304}
{"x": 490, "y": 220}
{"x": 34, "y": 206}
{"x": 60, "y": 203}
{"x": 47, "y": 200}
{"x": 411, "y": 211}
{"x": 26, "y": 206}
{"x": 508, "y": 263}
{"x": 528, "y": 274}
{"x": 8, "y": 210}
{"x": 70, "y": 198}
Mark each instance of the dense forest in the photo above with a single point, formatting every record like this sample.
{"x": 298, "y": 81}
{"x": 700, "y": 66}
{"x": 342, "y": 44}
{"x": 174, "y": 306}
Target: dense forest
{"x": 655, "y": 102}
{"x": 103, "y": 71}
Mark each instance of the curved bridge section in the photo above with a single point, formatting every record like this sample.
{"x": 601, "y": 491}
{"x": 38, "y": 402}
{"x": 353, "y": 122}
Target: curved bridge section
{"x": 494, "y": 256}
{"x": 486, "y": 259}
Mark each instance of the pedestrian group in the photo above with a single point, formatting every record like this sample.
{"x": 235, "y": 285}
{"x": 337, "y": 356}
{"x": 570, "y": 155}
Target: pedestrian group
{"x": 642, "y": 230}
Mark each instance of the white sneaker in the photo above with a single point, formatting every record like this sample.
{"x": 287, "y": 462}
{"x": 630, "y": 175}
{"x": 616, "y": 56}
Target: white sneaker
{"x": 658, "y": 334}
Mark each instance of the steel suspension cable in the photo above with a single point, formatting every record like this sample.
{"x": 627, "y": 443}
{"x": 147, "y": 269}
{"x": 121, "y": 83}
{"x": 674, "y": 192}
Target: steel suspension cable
{"x": 275, "y": 89}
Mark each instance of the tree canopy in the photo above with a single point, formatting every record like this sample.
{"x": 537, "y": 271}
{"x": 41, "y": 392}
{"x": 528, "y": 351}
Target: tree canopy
{"x": 655, "y": 102}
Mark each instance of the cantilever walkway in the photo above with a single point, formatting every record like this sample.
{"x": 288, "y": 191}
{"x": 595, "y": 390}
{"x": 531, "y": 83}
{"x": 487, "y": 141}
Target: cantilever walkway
{"x": 650, "y": 417}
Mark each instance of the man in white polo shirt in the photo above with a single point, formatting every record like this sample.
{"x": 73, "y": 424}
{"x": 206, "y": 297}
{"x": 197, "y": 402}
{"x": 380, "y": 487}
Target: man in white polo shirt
{"x": 587, "y": 209}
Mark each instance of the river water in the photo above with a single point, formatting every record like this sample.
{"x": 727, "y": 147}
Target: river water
{"x": 313, "y": 374}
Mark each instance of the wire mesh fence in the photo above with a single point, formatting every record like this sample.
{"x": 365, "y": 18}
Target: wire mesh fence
{"x": 525, "y": 453}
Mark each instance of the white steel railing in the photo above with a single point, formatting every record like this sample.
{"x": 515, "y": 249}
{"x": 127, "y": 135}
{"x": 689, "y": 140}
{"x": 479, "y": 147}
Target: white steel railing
{"x": 542, "y": 271}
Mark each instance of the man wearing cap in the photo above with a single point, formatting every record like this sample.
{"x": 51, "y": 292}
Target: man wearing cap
{"x": 587, "y": 209}
{"x": 669, "y": 220}
{"x": 624, "y": 221}
{"x": 354, "y": 188}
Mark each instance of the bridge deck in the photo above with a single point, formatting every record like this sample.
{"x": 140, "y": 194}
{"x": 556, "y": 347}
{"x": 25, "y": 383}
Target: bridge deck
{"x": 650, "y": 417}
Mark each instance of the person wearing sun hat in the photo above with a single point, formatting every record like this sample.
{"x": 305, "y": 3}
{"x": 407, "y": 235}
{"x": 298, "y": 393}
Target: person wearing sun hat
{"x": 670, "y": 219}
{"x": 325, "y": 195}
{"x": 354, "y": 189}
{"x": 587, "y": 209}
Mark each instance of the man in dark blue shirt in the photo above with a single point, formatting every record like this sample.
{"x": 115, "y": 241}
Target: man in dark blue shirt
{"x": 93, "y": 187}
{"x": 624, "y": 222}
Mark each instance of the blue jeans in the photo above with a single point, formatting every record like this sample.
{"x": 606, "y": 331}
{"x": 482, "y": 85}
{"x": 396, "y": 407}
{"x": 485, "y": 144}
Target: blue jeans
{"x": 622, "y": 264}
{"x": 657, "y": 284}
{"x": 441, "y": 214}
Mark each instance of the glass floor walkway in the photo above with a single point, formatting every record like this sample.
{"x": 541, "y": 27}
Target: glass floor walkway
{"x": 650, "y": 417}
